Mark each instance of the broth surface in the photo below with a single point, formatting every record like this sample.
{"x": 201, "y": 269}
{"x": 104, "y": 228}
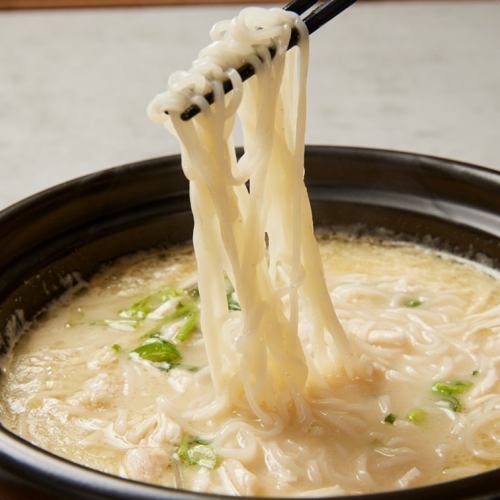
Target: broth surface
{"x": 426, "y": 324}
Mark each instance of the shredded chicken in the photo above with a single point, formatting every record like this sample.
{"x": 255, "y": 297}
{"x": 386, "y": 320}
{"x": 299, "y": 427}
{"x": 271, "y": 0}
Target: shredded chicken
{"x": 145, "y": 464}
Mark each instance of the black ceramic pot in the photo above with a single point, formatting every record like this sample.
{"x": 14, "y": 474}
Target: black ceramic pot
{"x": 77, "y": 226}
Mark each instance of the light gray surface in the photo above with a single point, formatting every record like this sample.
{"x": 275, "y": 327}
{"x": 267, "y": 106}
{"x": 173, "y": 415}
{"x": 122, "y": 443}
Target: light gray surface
{"x": 74, "y": 84}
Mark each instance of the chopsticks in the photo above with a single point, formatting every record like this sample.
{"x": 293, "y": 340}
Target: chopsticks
{"x": 319, "y": 13}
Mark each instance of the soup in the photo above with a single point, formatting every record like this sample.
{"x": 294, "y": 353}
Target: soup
{"x": 83, "y": 383}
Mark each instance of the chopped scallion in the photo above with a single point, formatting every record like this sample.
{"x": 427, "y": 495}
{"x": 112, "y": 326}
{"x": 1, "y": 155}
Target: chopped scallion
{"x": 233, "y": 304}
{"x": 183, "y": 309}
{"x": 159, "y": 351}
{"x": 454, "y": 403}
{"x": 140, "y": 309}
{"x": 448, "y": 390}
{"x": 390, "y": 418}
{"x": 451, "y": 388}
{"x": 116, "y": 347}
{"x": 417, "y": 416}
{"x": 197, "y": 452}
{"x": 412, "y": 303}
{"x": 232, "y": 301}
{"x": 188, "y": 327}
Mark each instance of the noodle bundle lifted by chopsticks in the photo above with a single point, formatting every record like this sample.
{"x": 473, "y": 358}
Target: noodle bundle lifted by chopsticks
{"x": 261, "y": 239}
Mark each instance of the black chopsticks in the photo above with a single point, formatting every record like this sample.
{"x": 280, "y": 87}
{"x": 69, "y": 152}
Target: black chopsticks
{"x": 319, "y": 13}
{"x": 324, "y": 12}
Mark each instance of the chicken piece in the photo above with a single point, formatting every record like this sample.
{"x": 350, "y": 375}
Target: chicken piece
{"x": 97, "y": 392}
{"x": 103, "y": 358}
{"x": 145, "y": 464}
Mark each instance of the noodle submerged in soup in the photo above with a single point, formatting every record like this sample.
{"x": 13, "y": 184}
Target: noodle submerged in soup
{"x": 115, "y": 377}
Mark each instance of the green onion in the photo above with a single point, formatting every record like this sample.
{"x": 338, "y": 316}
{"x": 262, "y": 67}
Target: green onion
{"x": 194, "y": 451}
{"x": 412, "y": 303}
{"x": 183, "y": 309}
{"x": 140, "y": 309}
{"x": 116, "y": 347}
{"x": 448, "y": 390}
{"x": 475, "y": 373}
{"x": 137, "y": 311}
{"x": 390, "y": 418}
{"x": 417, "y": 415}
{"x": 159, "y": 351}
{"x": 454, "y": 403}
{"x": 188, "y": 327}
{"x": 232, "y": 302}
{"x": 451, "y": 388}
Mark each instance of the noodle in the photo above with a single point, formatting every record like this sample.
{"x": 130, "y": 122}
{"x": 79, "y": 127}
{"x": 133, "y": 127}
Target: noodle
{"x": 232, "y": 223}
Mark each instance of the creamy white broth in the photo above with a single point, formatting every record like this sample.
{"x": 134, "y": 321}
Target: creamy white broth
{"x": 415, "y": 316}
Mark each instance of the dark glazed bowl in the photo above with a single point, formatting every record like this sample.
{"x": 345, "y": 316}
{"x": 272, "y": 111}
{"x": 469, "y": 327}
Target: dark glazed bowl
{"x": 77, "y": 226}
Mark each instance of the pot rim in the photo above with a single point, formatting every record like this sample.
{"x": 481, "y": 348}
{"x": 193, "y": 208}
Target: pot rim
{"x": 487, "y": 173}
